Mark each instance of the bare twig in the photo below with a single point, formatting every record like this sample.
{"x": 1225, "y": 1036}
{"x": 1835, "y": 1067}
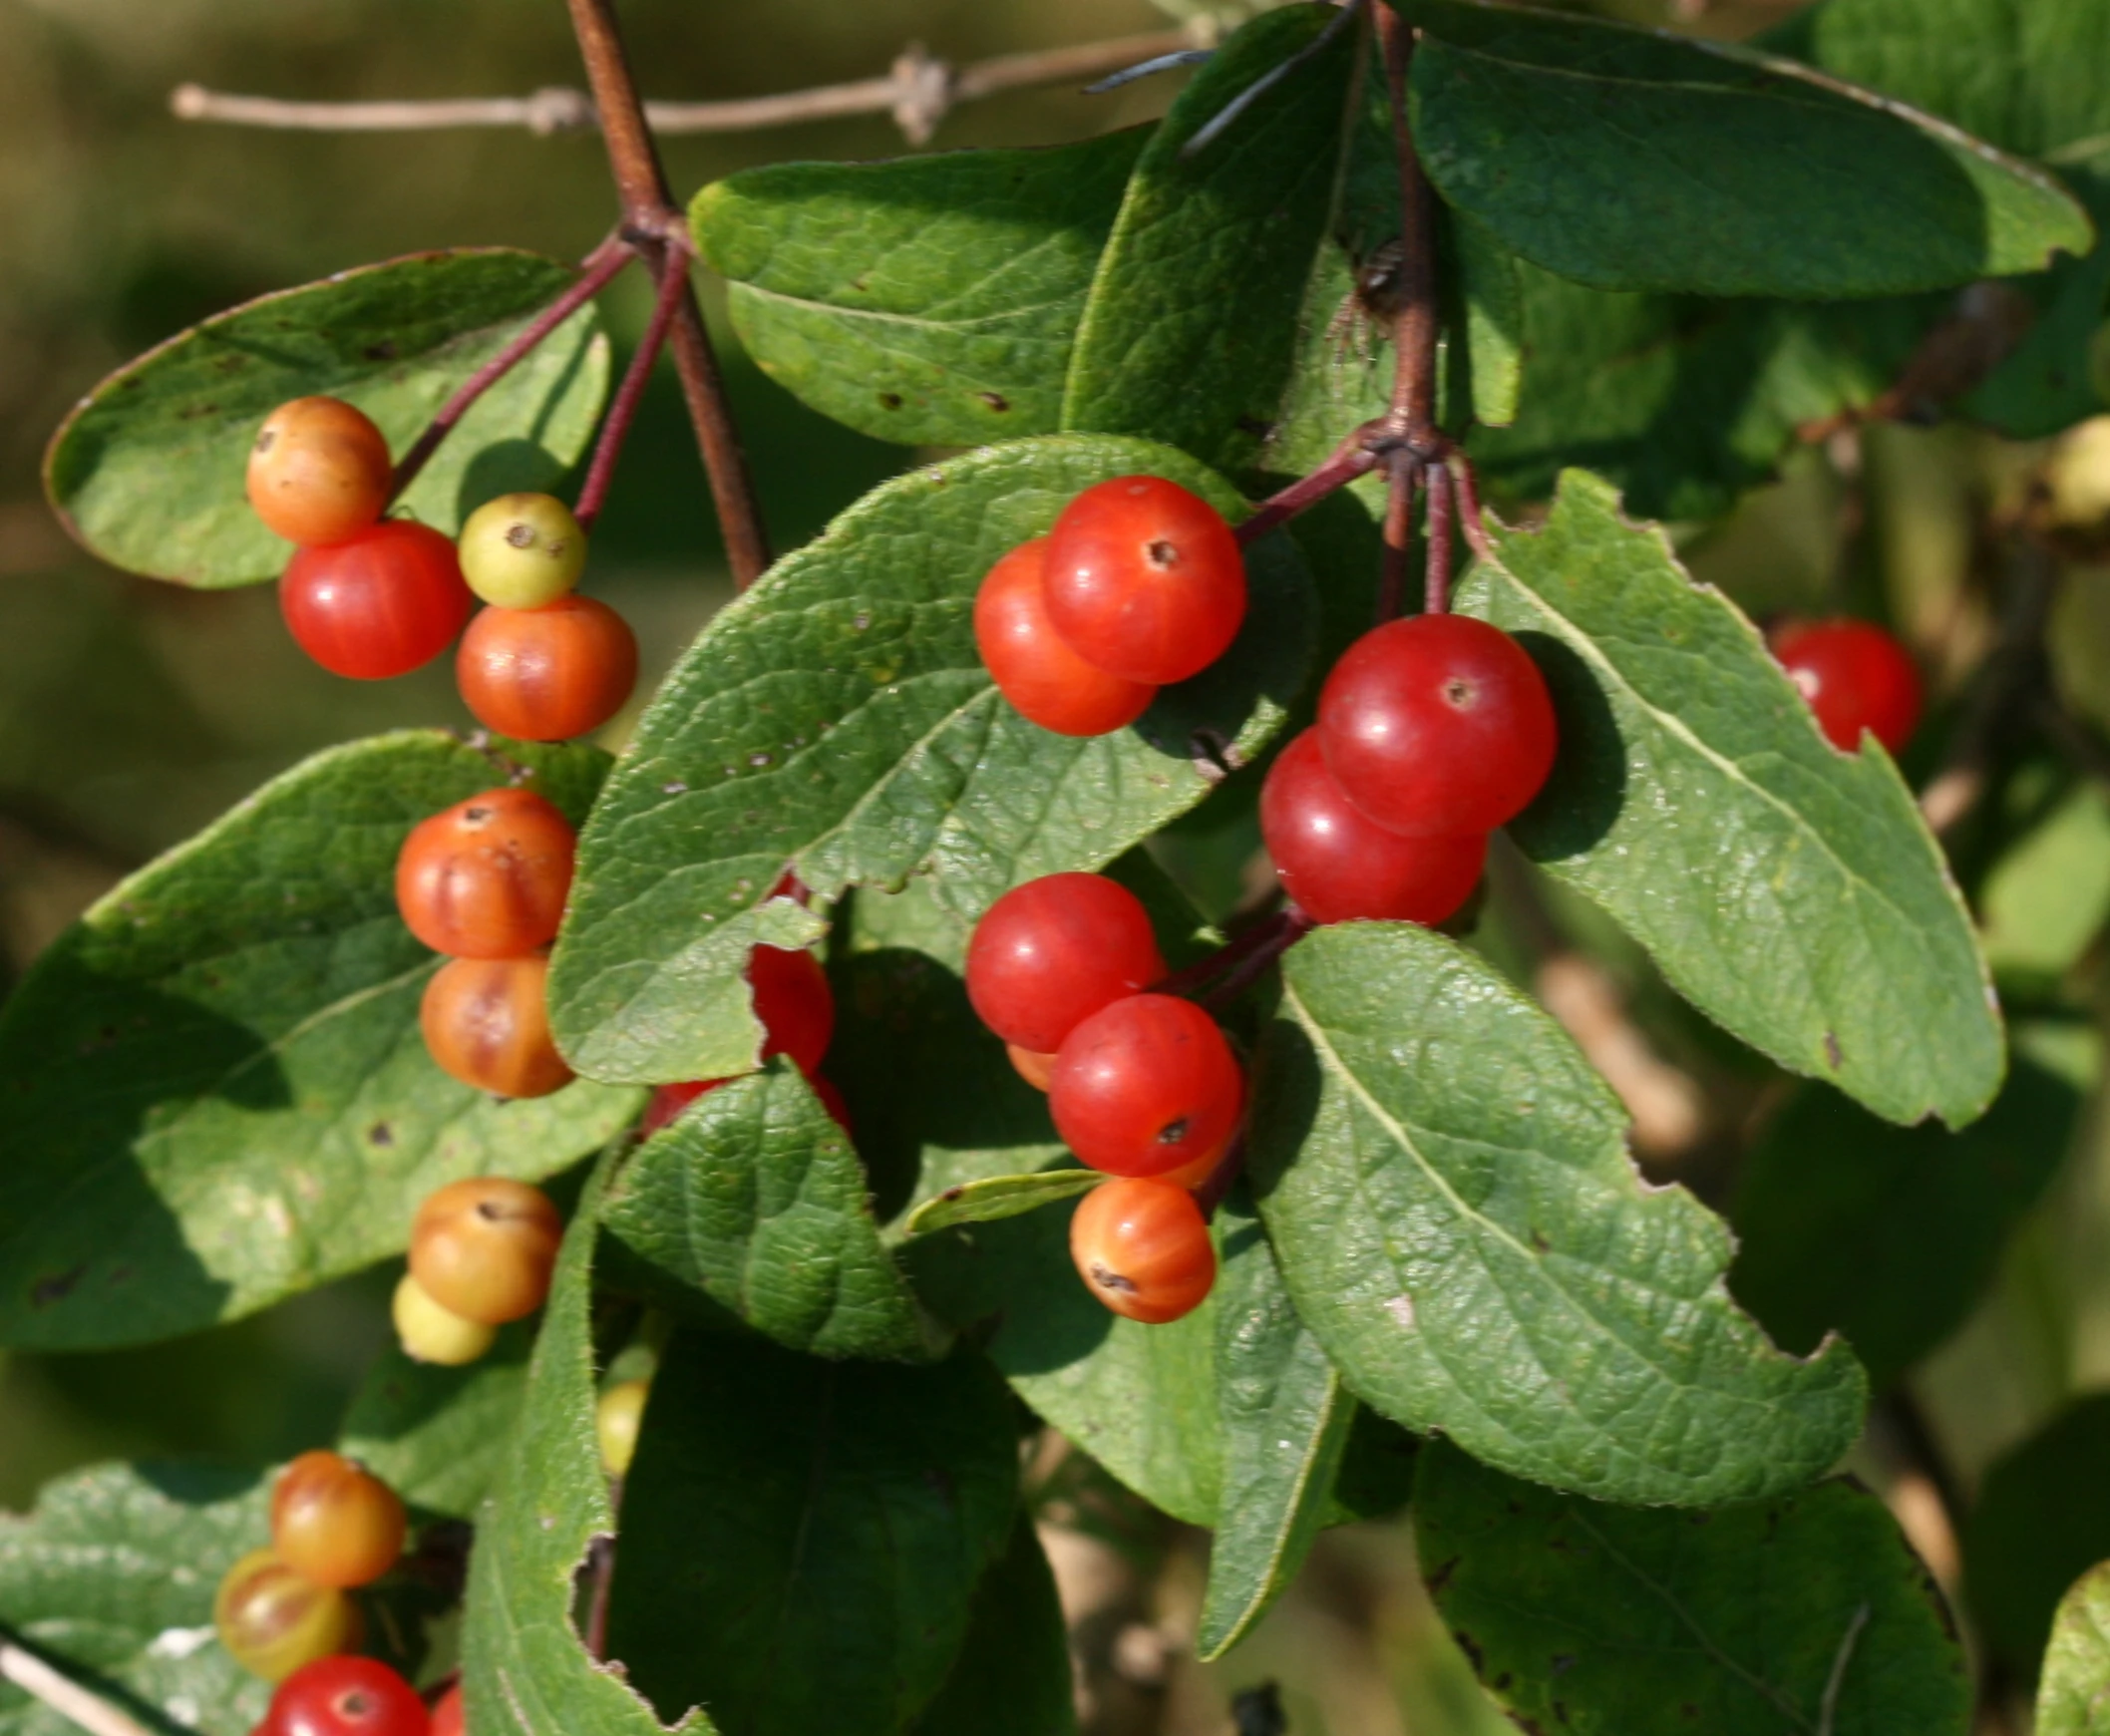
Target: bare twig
{"x": 650, "y": 219}
{"x": 1349, "y": 461}
{"x": 1470, "y": 518}
{"x": 1415, "y": 324}
{"x": 616, "y": 427}
{"x": 1436, "y": 598}
{"x": 89, "y": 1711}
{"x": 1402, "y": 473}
{"x": 597, "y": 272}
{"x": 919, "y": 91}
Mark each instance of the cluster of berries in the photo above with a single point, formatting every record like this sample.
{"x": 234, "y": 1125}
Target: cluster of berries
{"x": 482, "y": 1252}
{"x": 1142, "y": 1085}
{"x": 372, "y": 598}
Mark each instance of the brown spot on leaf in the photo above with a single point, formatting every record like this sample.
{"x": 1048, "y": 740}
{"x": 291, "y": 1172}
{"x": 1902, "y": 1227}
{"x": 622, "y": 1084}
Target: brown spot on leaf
{"x": 384, "y": 351}
{"x": 995, "y": 400}
{"x": 381, "y": 1134}
{"x": 1832, "y": 1051}
{"x": 1471, "y": 1647}
{"x": 1440, "y": 1576}
{"x": 56, "y": 1288}
{"x": 890, "y": 400}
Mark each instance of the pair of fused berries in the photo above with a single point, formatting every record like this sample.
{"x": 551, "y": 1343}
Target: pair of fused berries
{"x": 334, "y": 1525}
{"x": 1140, "y": 583}
{"x": 796, "y": 1010}
{"x": 1142, "y": 1085}
{"x": 373, "y": 597}
{"x": 482, "y": 1252}
{"x": 1855, "y": 677}
{"x": 1432, "y": 731}
{"x": 356, "y": 1696}
{"x": 484, "y": 883}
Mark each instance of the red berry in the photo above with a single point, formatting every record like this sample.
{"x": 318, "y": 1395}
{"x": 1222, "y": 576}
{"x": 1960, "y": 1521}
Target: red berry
{"x": 1437, "y": 724}
{"x": 334, "y": 1522}
{"x": 1050, "y": 953}
{"x": 446, "y": 1717}
{"x": 1146, "y": 1086}
{"x": 1046, "y": 682}
{"x": 380, "y": 604}
{"x": 546, "y": 674}
{"x": 487, "y": 877}
{"x": 1145, "y": 579}
{"x": 486, "y": 1022}
{"x": 347, "y": 1696}
{"x": 1855, "y": 677}
{"x": 1338, "y": 865}
{"x": 319, "y": 471}
{"x": 671, "y": 1100}
{"x": 793, "y": 1003}
{"x": 1144, "y": 1250}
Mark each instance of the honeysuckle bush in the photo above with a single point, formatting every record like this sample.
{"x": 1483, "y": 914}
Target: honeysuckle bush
{"x": 1616, "y": 1412}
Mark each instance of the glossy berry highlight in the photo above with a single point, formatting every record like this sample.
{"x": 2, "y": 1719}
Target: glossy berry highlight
{"x": 487, "y": 1023}
{"x": 1338, "y": 864}
{"x": 1854, "y": 677}
{"x": 1144, "y": 1250}
{"x": 487, "y": 877}
{"x": 431, "y": 1333}
{"x": 522, "y": 551}
{"x": 1437, "y": 725}
{"x": 319, "y": 472}
{"x": 334, "y": 1522}
{"x": 1144, "y": 580}
{"x": 485, "y": 1249}
{"x": 1146, "y": 1086}
{"x": 346, "y": 1697}
{"x": 547, "y": 674}
{"x": 387, "y": 602}
{"x": 1033, "y": 666}
{"x": 273, "y": 1620}
{"x": 1050, "y": 953}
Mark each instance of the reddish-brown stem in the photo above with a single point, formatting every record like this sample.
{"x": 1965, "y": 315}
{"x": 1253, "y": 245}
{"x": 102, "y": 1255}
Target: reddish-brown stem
{"x": 650, "y": 218}
{"x": 1348, "y": 462}
{"x": 1247, "y": 941}
{"x": 1399, "y": 532}
{"x": 1414, "y": 329}
{"x": 616, "y": 427}
{"x": 1470, "y": 518}
{"x": 1288, "y": 927}
{"x": 1435, "y": 595}
{"x": 597, "y": 272}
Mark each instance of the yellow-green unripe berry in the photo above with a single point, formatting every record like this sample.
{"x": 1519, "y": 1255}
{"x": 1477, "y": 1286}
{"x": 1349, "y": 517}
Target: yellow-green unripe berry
{"x": 431, "y": 1333}
{"x": 616, "y": 1420}
{"x": 522, "y": 551}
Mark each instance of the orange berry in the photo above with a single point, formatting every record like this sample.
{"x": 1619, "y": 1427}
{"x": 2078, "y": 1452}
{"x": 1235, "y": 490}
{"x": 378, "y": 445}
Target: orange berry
{"x": 487, "y": 1023}
{"x": 484, "y": 1248}
{"x": 319, "y": 471}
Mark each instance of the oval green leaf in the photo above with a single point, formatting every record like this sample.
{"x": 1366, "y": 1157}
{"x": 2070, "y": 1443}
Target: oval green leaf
{"x": 148, "y": 470}
{"x": 2074, "y": 1693}
{"x": 994, "y": 1197}
{"x": 214, "y": 1091}
{"x": 1447, "y": 1187}
{"x": 837, "y": 720}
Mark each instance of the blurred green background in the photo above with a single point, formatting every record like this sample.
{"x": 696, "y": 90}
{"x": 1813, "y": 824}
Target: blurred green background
{"x": 132, "y": 712}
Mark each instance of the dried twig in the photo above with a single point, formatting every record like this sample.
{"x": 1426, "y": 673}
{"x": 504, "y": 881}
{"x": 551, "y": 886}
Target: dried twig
{"x": 64, "y": 1695}
{"x": 919, "y": 91}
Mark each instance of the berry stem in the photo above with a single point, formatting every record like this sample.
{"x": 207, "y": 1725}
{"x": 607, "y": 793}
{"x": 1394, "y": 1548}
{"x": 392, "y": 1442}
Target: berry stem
{"x": 1470, "y": 518}
{"x": 1250, "y": 940}
{"x": 1349, "y": 461}
{"x": 1287, "y": 928}
{"x": 597, "y": 272}
{"x": 1401, "y": 473}
{"x": 1436, "y": 599}
{"x": 1414, "y": 330}
{"x": 616, "y": 427}
{"x": 651, "y": 219}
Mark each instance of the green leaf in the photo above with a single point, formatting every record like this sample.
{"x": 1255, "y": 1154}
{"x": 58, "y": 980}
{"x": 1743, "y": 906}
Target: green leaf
{"x": 930, "y": 300}
{"x": 1447, "y": 1187}
{"x": 756, "y": 1198}
{"x": 1683, "y": 403}
{"x": 2047, "y": 383}
{"x": 1888, "y": 1235}
{"x": 802, "y": 1540}
{"x": 111, "y": 1580}
{"x": 1633, "y": 160}
{"x": 148, "y": 469}
{"x": 523, "y": 1669}
{"x": 1285, "y": 1417}
{"x": 1805, "y": 1612}
{"x": 837, "y": 720}
{"x": 2048, "y": 896}
{"x": 1142, "y": 1400}
{"x": 2073, "y": 1694}
{"x": 1190, "y": 329}
{"x": 213, "y": 1092}
{"x": 2041, "y": 1520}
{"x": 994, "y": 1197}
{"x": 435, "y": 1435}
{"x": 1788, "y": 891}
{"x": 1014, "y": 1673}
